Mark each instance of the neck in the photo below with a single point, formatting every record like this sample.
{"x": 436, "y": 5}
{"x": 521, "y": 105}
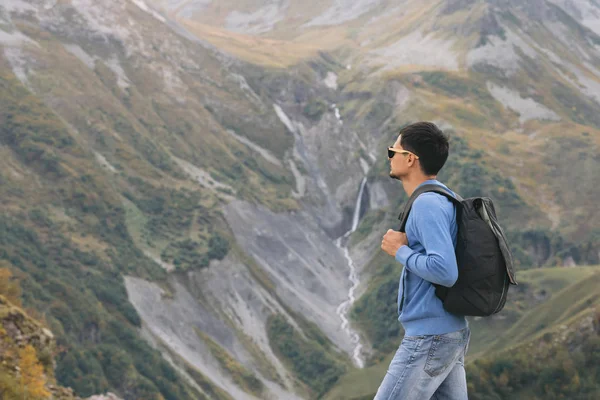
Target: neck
{"x": 410, "y": 183}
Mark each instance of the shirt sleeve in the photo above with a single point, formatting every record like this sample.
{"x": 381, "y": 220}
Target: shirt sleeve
{"x": 431, "y": 227}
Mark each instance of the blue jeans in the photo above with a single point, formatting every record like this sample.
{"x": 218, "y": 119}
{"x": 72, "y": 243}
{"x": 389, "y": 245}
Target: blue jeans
{"x": 428, "y": 367}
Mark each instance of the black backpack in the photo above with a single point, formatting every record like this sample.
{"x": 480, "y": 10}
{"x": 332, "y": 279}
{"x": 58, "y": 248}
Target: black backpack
{"x": 485, "y": 264}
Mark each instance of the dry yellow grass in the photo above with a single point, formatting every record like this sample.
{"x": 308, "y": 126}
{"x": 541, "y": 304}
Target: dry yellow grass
{"x": 265, "y": 51}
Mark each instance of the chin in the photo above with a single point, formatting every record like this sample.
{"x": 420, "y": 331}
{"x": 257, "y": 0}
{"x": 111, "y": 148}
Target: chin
{"x": 394, "y": 176}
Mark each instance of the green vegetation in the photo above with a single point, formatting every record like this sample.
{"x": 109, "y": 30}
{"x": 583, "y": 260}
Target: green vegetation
{"x": 549, "y": 370}
{"x": 315, "y": 108}
{"x": 528, "y": 307}
{"x": 70, "y": 262}
{"x": 539, "y": 247}
{"x": 185, "y": 254}
{"x": 169, "y": 211}
{"x": 468, "y": 173}
{"x": 560, "y": 308}
{"x": 88, "y": 310}
{"x": 376, "y": 312}
{"x": 164, "y": 218}
{"x": 308, "y": 357}
{"x": 579, "y": 109}
{"x": 367, "y": 223}
{"x": 27, "y": 351}
{"x": 241, "y": 375}
{"x": 545, "y": 300}
{"x": 471, "y": 91}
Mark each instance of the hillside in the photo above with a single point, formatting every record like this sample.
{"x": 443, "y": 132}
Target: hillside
{"x": 174, "y": 174}
{"x": 548, "y": 303}
{"x": 561, "y": 363}
{"x": 27, "y": 351}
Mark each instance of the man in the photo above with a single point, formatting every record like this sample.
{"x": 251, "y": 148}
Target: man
{"x": 430, "y": 361}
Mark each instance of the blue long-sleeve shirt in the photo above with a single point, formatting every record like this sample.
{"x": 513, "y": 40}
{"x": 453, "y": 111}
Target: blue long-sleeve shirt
{"x": 429, "y": 258}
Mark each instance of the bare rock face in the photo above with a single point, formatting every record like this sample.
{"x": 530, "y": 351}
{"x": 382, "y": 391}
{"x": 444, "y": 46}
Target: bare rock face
{"x": 23, "y": 330}
{"x": 303, "y": 263}
{"x": 298, "y": 270}
{"x": 108, "y": 396}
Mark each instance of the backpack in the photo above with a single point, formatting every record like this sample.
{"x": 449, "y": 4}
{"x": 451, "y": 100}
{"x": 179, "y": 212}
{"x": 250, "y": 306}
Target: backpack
{"x": 485, "y": 263}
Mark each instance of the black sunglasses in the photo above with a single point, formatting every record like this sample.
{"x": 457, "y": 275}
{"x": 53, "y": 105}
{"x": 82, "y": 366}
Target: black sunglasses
{"x": 392, "y": 151}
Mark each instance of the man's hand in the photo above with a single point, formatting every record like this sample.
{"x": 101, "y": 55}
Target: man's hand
{"x": 392, "y": 241}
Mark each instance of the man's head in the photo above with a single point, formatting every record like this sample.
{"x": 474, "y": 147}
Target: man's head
{"x": 421, "y": 149}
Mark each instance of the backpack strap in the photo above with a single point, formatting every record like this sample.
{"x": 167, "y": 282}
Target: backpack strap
{"x": 403, "y": 217}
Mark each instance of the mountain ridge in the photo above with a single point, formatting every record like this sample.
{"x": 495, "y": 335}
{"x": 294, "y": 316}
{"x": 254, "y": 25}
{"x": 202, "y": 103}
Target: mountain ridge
{"x": 144, "y": 159}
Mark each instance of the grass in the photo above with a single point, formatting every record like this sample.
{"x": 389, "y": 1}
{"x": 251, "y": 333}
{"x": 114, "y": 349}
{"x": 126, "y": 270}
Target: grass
{"x": 572, "y": 291}
{"x": 243, "y": 377}
{"x": 270, "y": 53}
{"x": 535, "y": 286}
{"x": 561, "y": 307}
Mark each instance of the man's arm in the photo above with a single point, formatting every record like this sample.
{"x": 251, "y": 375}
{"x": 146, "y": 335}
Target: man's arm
{"x": 432, "y": 230}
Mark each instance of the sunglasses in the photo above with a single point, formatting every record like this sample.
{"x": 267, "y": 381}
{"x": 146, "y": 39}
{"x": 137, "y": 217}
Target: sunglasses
{"x": 392, "y": 151}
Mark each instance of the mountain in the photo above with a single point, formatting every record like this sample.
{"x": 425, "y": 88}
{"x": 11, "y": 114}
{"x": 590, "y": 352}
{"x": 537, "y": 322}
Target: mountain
{"x": 175, "y": 174}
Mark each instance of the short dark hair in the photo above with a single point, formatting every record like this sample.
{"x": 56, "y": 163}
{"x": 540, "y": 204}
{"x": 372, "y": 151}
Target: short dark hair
{"x": 428, "y": 142}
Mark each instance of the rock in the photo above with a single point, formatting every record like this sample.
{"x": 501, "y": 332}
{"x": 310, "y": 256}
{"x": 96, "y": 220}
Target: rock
{"x": 21, "y": 330}
{"x": 48, "y": 333}
{"x": 107, "y": 396}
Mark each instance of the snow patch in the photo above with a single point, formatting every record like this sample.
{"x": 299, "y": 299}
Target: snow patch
{"x": 247, "y": 89}
{"x": 587, "y": 12}
{"x": 122, "y": 79}
{"x": 342, "y": 11}
{"x": 17, "y": 6}
{"x": 15, "y": 39}
{"x": 336, "y": 111}
{"x": 300, "y": 180}
{"x": 84, "y": 57}
{"x": 141, "y": 4}
{"x": 527, "y": 108}
{"x": 259, "y": 21}
{"x": 102, "y": 160}
{"x": 589, "y": 86}
{"x": 402, "y": 97}
{"x": 552, "y": 56}
{"x": 166, "y": 266}
{"x": 102, "y": 17}
{"x": 107, "y": 396}
{"x": 203, "y": 177}
{"x": 266, "y": 154}
{"x": 173, "y": 84}
{"x": 501, "y": 53}
{"x": 18, "y": 62}
{"x": 186, "y": 8}
{"x": 364, "y": 165}
{"x": 284, "y": 118}
{"x": 331, "y": 81}
{"x": 416, "y": 49}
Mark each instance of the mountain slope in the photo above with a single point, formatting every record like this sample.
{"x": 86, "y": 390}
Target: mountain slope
{"x": 172, "y": 195}
{"x": 549, "y": 305}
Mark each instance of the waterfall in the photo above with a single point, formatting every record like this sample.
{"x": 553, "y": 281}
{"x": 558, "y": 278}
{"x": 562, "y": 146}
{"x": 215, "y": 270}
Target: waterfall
{"x": 343, "y": 308}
